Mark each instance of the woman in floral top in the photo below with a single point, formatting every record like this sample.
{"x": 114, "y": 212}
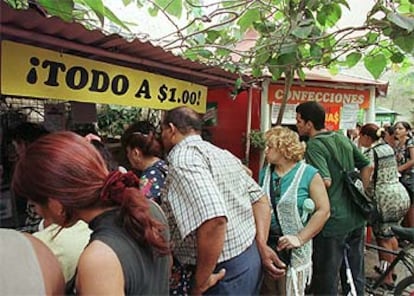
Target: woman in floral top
{"x": 144, "y": 154}
{"x": 404, "y": 152}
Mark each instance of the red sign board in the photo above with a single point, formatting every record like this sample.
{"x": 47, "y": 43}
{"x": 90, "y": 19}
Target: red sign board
{"x": 325, "y": 96}
{"x": 332, "y": 117}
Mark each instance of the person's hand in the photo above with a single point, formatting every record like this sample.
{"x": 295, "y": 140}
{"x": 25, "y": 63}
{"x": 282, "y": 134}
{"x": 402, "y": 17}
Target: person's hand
{"x": 212, "y": 280}
{"x": 289, "y": 242}
{"x": 90, "y": 137}
{"x": 271, "y": 262}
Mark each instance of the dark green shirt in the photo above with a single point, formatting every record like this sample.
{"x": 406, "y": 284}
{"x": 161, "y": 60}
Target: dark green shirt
{"x": 344, "y": 215}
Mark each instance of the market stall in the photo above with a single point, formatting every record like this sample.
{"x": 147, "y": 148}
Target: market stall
{"x": 54, "y": 72}
{"x": 346, "y": 98}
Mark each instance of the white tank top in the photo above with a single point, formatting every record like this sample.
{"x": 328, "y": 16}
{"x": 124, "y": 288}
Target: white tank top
{"x": 20, "y": 273}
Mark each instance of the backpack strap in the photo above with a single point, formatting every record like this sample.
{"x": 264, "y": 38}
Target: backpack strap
{"x": 333, "y": 154}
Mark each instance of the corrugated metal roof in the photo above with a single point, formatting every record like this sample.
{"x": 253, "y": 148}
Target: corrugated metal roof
{"x": 31, "y": 27}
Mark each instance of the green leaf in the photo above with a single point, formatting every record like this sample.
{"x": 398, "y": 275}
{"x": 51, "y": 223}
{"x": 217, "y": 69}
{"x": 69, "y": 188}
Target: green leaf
{"x": 302, "y": 32}
{"x": 153, "y": 11}
{"x": 113, "y": 18}
{"x": 190, "y": 54}
{"x": 397, "y": 57}
{"x": 276, "y": 72}
{"x": 301, "y": 74}
{"x": 238, "y": 83}
{"x": 97, "y": 7}
{"x": 62, "y": 8}
{"x": 262, "y": 57}
{"x": 222, "y": 52}
{"x": 406, "y": 43}
{"x": 401, "y": 21}
{"x": 372, "y": 37}
{"x": 212, "y": 36}
{"x": 126, "y": 2}
{"x": 288, "y": 47}
{"x": 256, "y": 72}
{"x": 248, "y": 18}
{"x": 315, "y": 51}
{"x": 264, "y": 27}
{"x": 287, "y": 59}
{"x": 205, "y": 53}
{"x": 353, "y": 58}
{"x": 333, "y": 70}
{"x": 329, "y": 14}
{"x": 172, "y": 7}
{"x": 344, "y": 3}
{"x": 375, "y": 64}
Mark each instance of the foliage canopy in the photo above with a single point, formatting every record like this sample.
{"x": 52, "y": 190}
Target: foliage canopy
{"x": 288, "y": 35}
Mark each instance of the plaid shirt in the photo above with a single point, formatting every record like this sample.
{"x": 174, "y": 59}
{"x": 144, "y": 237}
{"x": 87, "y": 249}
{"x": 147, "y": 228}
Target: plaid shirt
{"x": 205, "y": 182}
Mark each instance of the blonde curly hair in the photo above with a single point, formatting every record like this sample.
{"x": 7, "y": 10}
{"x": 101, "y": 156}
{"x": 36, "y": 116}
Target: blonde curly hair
{"x": 286, "y": 142}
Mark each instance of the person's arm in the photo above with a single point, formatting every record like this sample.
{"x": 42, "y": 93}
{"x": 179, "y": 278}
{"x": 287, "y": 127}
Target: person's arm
{"x": 51, "y": 270}
{"x": 271, "y": 262}
{"x": 99, "y": 271}
{"x": 410, "y": 163}
{"x": 210, "y": 242}
{"x": 364, "y": 164}
{"x": 316, "y": 156}
{"x": 366, "y": 173}
{"x": 319, "y": 195}
{"x": 327, "y": 183}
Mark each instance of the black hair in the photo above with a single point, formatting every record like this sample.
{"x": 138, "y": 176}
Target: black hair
{"x": 184, "y": 119}
{"x": 105, "y": 153}
{"x": 390, "y": 130}
{"x": 313, "y": 112}
{"x": 28, "y": 132}
{"x": 405, "y": 124}
{"x": 142, "y": 135}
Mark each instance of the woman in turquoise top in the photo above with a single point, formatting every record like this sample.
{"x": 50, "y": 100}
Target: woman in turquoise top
{"x": 295, "y": 190}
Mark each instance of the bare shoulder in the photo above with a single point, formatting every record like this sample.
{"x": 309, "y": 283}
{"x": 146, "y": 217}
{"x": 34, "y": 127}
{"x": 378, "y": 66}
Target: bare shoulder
{"x": 98, "y": 256}
{"x": 49, "y": 265}
{"x": 99, "y": 271}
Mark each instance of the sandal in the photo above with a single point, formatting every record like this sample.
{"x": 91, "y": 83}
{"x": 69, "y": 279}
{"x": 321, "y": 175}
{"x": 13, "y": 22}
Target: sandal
{"x": 379, "y": 271}
{"x": 387, "y": 286}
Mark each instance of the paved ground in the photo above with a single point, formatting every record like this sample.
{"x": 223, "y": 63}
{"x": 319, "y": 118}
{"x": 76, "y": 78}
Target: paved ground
{"x": 371, "y": 259}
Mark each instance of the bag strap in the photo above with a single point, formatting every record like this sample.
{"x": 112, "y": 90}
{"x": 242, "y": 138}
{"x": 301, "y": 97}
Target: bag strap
{"x": 272, "y": 192}
{"x": 333, "y": 154}
{"x": 375, "y": 176}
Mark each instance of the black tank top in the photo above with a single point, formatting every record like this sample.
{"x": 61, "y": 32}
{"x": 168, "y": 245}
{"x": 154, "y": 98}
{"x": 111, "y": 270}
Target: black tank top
{"x": 144, "y": 273}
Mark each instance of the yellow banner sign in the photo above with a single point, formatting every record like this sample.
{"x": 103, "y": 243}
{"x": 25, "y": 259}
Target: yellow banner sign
{"x": 36, "y": 72}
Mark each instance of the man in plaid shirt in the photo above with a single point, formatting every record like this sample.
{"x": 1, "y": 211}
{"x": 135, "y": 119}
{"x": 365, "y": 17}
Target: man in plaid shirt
{"x": 218, "y": 215}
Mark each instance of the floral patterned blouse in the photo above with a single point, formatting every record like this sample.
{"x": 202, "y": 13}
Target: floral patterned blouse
{"x": 152, "y": 180}
{"x": 402, "y": 154}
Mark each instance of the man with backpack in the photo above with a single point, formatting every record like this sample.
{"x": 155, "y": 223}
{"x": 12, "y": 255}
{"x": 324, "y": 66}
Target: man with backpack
{"x": 327, "y": 151}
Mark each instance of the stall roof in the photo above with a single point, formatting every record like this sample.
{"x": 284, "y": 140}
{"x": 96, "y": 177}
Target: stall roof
{"x": 33, "y": 28}
{"x": 382, "y": 110}
{"x": 322, "y": 75}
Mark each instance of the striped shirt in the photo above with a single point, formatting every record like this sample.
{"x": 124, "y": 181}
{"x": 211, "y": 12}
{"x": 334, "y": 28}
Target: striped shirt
{"x": 205, "y": 182}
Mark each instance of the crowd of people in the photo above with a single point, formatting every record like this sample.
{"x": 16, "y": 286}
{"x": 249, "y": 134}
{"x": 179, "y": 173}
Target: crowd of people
{"x": 188, "y": 218}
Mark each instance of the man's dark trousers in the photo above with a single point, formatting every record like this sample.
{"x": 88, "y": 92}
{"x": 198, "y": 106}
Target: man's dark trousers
{"x": 328, "y": 254}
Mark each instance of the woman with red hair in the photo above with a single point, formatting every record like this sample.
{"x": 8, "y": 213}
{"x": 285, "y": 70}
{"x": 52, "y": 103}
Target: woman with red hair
{"x": 68, "y": 180}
